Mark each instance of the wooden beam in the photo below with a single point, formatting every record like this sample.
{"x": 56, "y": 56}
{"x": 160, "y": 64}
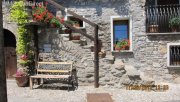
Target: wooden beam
{"x": 96, "y": 58}
{"x": 3, "y": 88}
{"x": 36, "y": 45}
{"x": 71, "y": 12}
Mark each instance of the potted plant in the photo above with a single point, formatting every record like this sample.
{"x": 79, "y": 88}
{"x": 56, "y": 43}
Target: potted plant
{"x": 174, "y": 24}
{"x": 22, "y": 74}
{"x": 153, "y": 28}
{"x": 76, "y": 37}
{"x": 122, "y": 45}
{"x": 76, "y": 24}
{"x": 55, "y": 22}
{"x": 41, "y": 14}
{"x": 102, "y": 54}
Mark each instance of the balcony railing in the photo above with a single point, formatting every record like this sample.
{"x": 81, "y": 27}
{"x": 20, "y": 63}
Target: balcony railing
{"x": 158, "y": 17}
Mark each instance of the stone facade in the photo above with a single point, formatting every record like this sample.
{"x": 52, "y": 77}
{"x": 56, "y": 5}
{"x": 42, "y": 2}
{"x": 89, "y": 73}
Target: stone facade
{"x": 148, "y": 56}
{"x": 11, "y": 26}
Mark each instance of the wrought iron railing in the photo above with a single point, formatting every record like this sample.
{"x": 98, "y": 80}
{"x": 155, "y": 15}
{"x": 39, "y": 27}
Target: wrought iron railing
{"x": 158, "y": 17}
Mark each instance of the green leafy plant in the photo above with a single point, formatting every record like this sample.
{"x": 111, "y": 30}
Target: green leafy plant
{"x": 18, "y": 13}
{"x": 174, "y": 22}
{"x": 55, "y": 22}
{"x": 122, "y": 44}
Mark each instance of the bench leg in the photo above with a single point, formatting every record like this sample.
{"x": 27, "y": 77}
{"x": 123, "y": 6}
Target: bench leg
{"x": 31, "y": 83}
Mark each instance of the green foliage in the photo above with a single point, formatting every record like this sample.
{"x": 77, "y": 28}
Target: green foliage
{"x": 18, "y": 12}
{"x": 56, "y": 22}
{"x": 174, "y": 22}
{"x": 19, "y": 15}
{"x": 123, "y": 43}
{"x": 22, "y": 40}
{"x": 24, "y": 62}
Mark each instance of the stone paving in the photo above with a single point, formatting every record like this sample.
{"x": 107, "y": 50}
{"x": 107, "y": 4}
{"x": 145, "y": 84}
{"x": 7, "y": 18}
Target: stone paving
{"x": 19, "y": 94}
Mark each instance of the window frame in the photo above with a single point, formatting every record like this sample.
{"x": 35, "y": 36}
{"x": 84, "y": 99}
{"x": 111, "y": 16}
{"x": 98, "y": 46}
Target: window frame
{"x": 168, "y": 54}
{"x": 84, "y": 24}
{"x": 112, "y": 19}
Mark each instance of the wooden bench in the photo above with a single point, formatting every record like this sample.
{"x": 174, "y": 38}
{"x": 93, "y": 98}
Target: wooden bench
{"x": 59, "y": 73}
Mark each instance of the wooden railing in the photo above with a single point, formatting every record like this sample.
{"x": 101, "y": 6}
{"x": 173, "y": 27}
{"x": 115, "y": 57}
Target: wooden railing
{"x": 95, "y": 38}
{"x": 158, "y": 17}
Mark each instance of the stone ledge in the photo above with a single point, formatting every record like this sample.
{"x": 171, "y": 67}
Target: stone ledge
{"x": 169, "y": 33}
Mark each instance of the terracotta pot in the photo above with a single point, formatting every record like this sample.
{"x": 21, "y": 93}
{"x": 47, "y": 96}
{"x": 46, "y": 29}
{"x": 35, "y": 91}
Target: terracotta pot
{"x": 76, "y": 25}
{"x": 153, "y": 28}
{"x": 76, "y": 37}
{"x": 175, "y": 29}
{"x": 22, "y": 81}
{"x": 53, "y": 25}
{"x": 68, "y": 31}
{"x": 117, "y": 48}
{"x": 102, "y": 54}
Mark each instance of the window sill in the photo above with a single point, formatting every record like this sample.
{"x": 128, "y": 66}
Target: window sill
{"x": 174, "y": 67}
{"x": 123, "y": 51}
{"x": 169, "y": 33}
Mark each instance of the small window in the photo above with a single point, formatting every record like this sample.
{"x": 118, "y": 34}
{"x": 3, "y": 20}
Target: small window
{"x": 121, "y": 38}
{"x": 174, "y": 55}
{"x": 77, "y": 22}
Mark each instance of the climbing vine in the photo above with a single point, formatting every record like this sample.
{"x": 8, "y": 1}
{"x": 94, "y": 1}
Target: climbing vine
{"x": 18, "y": 14}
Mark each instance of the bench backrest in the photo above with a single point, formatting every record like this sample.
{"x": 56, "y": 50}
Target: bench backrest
{"x": 54, "y": 67}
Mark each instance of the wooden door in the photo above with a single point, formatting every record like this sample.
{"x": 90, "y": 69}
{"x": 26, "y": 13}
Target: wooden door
{"x": 10, "y": 53}
{"x": 10, "y": 61}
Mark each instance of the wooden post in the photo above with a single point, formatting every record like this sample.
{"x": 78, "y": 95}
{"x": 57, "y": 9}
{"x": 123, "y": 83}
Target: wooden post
{"x": 96, "y": 58}
{"x": 3, "y": 90}
{"x": 36, "y": 45}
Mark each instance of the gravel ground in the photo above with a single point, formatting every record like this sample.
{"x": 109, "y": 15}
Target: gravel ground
{"x": 19, "y": 94}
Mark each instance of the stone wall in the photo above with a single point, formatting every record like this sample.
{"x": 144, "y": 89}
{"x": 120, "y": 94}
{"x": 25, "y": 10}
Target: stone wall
{"x": 11, "y": 26}
{"x": 149, "y": 52}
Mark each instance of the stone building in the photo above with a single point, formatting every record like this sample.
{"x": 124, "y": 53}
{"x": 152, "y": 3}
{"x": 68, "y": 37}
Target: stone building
{"x": 154, "y": 49}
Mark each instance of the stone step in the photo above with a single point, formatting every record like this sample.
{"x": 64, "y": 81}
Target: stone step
{"x": 87, "y": 46}
{"x": 76, "y": 41}
{"x": 118, "y": 61}
{"x": 65, "y": 35}
{"x": 65, "y": 39}
{"x": 132, "y": 72}
{"x": 109, "y": 59}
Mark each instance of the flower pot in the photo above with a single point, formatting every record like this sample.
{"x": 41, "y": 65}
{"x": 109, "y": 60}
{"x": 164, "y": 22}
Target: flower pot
{"x": 175, "y": 29}
{"x": 117, "y": 48}
{"x": 22, "y": 81}
{"x": 153, "y": 28}
{"x": 67, "y": 31}
{"x": 102, "y": 54}
{"x": 76, "y": 37}
{"x": 76, "y": 25}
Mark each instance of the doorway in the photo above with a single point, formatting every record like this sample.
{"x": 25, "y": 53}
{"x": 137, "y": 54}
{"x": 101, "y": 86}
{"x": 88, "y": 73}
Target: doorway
{"x": 10, "y": 53}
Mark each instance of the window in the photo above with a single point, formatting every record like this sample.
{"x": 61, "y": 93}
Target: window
{"x": 77, "y": 22}
{"x": 121, "y": 35}
{"x": 162, "y": 2}
{"x": 173, "y": 55}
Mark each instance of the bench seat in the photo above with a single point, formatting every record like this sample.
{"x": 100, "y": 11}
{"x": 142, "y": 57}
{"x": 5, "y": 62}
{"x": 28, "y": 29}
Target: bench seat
{"x": 50, "y": 76}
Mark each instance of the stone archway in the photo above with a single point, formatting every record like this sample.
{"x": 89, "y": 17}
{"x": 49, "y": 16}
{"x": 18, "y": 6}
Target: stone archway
{"x": 10, "y": 53}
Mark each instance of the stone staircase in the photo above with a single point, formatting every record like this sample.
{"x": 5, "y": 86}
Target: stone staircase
{"x": 112, "y": 73}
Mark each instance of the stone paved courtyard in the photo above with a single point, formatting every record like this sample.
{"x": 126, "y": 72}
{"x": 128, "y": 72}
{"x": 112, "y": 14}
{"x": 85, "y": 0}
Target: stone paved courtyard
{"x": 17, "y": 94}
